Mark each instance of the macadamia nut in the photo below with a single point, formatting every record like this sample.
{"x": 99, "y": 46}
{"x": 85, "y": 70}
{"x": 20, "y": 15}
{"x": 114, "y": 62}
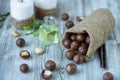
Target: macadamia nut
{"x": 16, "y": 33}
{"x": 39, "y": 51}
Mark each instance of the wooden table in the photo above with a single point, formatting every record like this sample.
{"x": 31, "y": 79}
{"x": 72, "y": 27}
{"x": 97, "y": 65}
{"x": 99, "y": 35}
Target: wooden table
{"x": 9, "y": 52}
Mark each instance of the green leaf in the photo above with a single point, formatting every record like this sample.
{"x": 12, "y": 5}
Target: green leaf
{"x": 5, "y": 14}
{"x": 26, "y": 27}
{"x": 34, "y": 28}
{"x": 34, "y": 21}
{"x": 29, "y": 33}
{"x": 35, "y": 33}
{"x": 2, "y": 19}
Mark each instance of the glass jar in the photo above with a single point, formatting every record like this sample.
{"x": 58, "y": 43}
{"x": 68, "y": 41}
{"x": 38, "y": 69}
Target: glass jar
{"x": 48, "y": 31}
{"x": 45, "y": 8}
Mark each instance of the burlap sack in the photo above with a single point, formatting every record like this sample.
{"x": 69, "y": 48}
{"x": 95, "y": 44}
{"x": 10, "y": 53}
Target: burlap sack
{"x": 99, "y": 25}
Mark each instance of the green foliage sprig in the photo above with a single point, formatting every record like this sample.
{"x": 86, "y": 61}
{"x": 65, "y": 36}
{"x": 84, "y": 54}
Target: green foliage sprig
{"x": 4, "y": 16}
{"x": 33, "y": 29}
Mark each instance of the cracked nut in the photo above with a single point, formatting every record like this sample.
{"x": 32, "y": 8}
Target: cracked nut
{"x": 24, "y": 54}
{"x": 16, "y": 33}
{"x": 79, "y": 18}
{"x": 39, "y": 51}
{"x": 46, "y": 74}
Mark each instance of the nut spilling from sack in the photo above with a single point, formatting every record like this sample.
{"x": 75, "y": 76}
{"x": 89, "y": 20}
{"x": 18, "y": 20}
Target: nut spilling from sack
{"x": 78, "y": 43}
{"x": 88, "y": 35}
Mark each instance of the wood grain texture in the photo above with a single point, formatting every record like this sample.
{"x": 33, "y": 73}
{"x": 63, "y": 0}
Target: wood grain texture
{"x": 9, "y": 52}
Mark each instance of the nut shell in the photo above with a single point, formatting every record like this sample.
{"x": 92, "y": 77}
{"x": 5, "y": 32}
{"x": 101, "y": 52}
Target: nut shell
{"x": 20, "y": 42}
{"x": 87, "y": 40}
{"x": 70, "y": 54}
{"x": 71, "y": 68}
{"x": 80, "y": 37}
{"x": 108, "y": 76}
{"x": 50, "y": 65}
{"x": 73, "y": 37}
{"x": 79, "y": 18}
{"x": 69, "y": 24}
{"x": 84, "y": 44}
{"x": 65, "y": 16}
{"x": 24, "y": 68}
{"x": 82, "y": 50}
{"x": 16, "y": 33}
{"x": 39, "y": 51}
{"x": 79, "y": 59}
{"x": 46, "y": 74}
{"x": 24, "y": 54}
{"x": 66, "y": 43}
{"x": 74, "y": 45}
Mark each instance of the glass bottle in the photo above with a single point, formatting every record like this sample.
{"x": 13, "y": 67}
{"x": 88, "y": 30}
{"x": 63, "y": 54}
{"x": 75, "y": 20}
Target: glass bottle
{"x": 48, "y": 31}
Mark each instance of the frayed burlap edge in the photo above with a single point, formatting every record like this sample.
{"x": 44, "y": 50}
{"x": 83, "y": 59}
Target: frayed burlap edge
{"x": 18, "y": 24}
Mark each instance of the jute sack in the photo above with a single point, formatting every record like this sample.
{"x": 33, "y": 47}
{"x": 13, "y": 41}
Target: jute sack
{"x": 99, "y": 25}
{"x": 18, "y": 24}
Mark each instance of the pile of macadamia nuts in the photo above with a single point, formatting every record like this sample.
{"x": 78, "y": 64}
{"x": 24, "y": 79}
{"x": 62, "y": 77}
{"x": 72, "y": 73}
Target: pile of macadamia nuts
{"x": 77, "y": 45}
